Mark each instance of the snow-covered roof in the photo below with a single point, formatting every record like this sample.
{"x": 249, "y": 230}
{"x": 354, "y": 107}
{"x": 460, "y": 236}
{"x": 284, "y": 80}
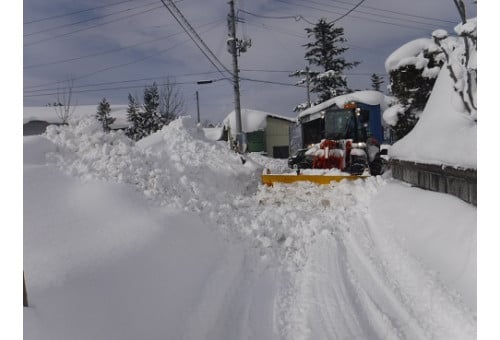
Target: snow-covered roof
{"x": 214, "y": 133}
{"x": 408, "y": 54}
{"x": 49, "y": 113}
{"x": 367, "y": 97}
{"x": 252, "y": 120}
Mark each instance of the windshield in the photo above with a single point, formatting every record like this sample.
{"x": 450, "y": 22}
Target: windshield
{"x": 336, "y": 123}
{"x": 342, "y": 124}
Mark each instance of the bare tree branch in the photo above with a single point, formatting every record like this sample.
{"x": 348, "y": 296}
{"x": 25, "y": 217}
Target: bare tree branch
{"x": 64, "y": 106}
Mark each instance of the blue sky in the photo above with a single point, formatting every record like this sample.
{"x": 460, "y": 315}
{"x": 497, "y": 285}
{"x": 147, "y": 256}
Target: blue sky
{"x": 110, "y": 48}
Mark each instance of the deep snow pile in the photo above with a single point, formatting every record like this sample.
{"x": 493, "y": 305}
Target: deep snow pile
{"x": 366, "y": 259}
{"x": 176, "y": 166}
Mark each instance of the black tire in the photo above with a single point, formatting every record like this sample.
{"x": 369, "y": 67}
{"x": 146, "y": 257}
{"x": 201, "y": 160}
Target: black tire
{"x": 377, "y": 167}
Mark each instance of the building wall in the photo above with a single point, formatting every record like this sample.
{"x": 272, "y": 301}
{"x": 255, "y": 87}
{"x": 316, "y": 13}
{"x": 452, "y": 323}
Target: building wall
{"x": 256, "y": 141}
{"x": 277, "y": 134}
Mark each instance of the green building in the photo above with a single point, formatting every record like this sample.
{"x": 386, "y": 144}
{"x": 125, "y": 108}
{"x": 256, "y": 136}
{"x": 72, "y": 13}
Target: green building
{"x": 266, "y": 132}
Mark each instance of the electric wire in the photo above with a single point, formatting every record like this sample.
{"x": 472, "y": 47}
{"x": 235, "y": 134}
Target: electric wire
{"x": 193, "y": 35}
{"x": 297, "y": 17}
{"x": 123, "y": 81}
{"x": 115, "y": 88}
{"x": 349, "y": 12}
{"x": 373, "y": 14}
{"x": 76, "y": 12}
{"x": 91, "y": 27}
{"x": 124, "y": 64}
{"x": 85, "y": 20}
{"x": 115, "y": 49}
{"x": 396, "y": 12}
{"x": 356, "y": 17}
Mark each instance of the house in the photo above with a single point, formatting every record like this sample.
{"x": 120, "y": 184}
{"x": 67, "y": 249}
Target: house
{"x": 37, "y": 118}
{"x": 265, "y": 132}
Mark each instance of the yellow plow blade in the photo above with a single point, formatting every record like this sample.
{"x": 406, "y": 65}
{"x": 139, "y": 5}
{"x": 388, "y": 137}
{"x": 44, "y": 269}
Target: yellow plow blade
{"x": 318, "y": 179}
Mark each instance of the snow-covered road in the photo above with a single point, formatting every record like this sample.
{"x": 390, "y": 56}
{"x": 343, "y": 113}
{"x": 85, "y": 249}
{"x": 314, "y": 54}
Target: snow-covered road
{"x": 215, "y": 255}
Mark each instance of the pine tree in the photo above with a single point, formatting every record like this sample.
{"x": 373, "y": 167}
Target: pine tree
{"x": 325, "y": 52}
{"x": 376, "y": 81}
{"x": 103, "y": 115}
{"x": 134, "y": 130}
{"x": 412, "y": 88}
{"x": 151, "y": 120}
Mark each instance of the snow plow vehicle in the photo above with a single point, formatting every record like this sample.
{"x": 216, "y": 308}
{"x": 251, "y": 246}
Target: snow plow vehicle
{"x": 350, "y": 150}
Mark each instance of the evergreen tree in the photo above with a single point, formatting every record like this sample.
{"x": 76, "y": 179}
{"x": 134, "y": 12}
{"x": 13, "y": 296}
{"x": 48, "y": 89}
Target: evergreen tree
{"x": 412, "y": 88}
{"x": 134, "y": 130}
{"x": 151, "y": 120}
{"x": 325, "y": 52}
{"x": 103, "y": 115}
{"x": 376, "y": 81}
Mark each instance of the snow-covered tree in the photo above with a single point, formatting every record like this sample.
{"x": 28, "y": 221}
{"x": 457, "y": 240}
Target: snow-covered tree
{"x": 325, "y": 52}
{"x": 377, "y": 81}
{"x": 134, "y": 130}
{"x": 103, "y": 115}
{"x": 461, "y": 60}
{"x": 412, "y": 69}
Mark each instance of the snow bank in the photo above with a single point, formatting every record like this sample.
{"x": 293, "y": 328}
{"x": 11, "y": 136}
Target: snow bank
{"x": 438, "y": 229}
{"x": 177, "y": 165}
{"x": 442, "y": 135}
{"x": 367, "y": 97}
{"x": 103, "y": 263}
{"x": 225, "y": 257}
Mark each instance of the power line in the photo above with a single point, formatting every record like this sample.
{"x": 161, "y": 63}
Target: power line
{"x": 349, "y": 12}
{"x": 399, "y": 13}
{"x": 90, "y": 27}
{"x": 76, "y": 12}
{"x": 372, "y": 14}
{"x": 291, "y": 71}
{"x": 116, "y": 49}
{"x": 121, "y": 65}
{"x": 84, "y": 21}
{"x": 270, "y": 82}
{"x": 114, "y": 88}
{"x": 123, "y": 81}
{"x": 353, "y": 16}
{"x": 190, "y": 31}
{"x": 295, "y": 17}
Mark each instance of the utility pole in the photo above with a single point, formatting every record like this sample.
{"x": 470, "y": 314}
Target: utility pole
{"x": 236, "y": 46}
{"x": 198, "y": 107}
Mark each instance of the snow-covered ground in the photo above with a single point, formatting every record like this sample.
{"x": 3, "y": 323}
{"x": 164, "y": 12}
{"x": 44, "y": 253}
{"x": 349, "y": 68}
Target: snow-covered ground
{"x": 175, "y": 238}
